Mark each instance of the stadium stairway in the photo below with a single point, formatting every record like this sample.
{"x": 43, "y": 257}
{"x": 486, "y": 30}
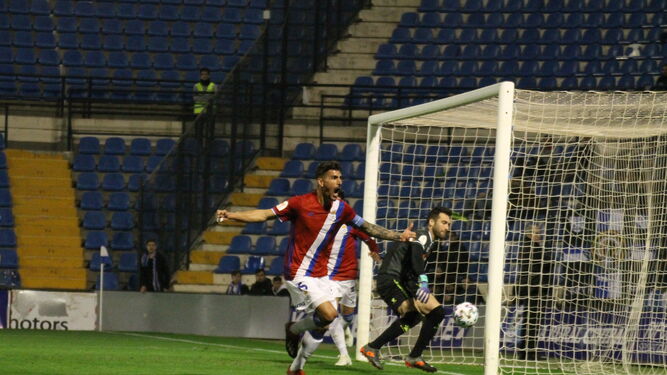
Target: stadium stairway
{"x": 47, "y": 226}
{"x": 355, "y": 54}
{"x": 199, "y": 278}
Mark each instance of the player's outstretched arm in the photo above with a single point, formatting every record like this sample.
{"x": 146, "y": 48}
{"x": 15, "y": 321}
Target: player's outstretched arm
{"x": 377, "y": 231}
{"x": 250, "y": 216}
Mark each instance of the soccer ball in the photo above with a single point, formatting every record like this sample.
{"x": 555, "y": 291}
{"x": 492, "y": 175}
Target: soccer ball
{"x": 465, "y": 314}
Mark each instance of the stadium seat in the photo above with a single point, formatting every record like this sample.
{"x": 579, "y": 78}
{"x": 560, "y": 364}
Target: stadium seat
{"x": 89, "y": 145}
{"x": 241, "y": 244}
{"x": 119, "y": 201}
{"x": 97, "y": 260}
{"x": 267, "y": 203}
{"x": 135, "y": 181}
{"x": 108, "y": 163}
{"x": 5, "y": 198}
{"x": 83, "y": 163}
{"x": 114, "y": 146}
{"x": 352, "y": 152}
{"x": 128, "y": 262}
{"x": 94, "y": 220}
{"x": 7, "y": 238}
{"x": 6, "y": 217}
{"x": 122, "y": 220}
{"x": 133, "y": 164}
{"x": 91, "y": 200}
{"x": 279, "y": 186}
{"x": 300, "y": 187}
{"x": 113, "y": 182}
{"x": 109, "y": 281}
{"x": 87, "y": 181}
{"x": 95, "y": 239}
{"x": 277, "y": 267}
{"x": 228, "y": 264}
{"x": 304, "y": 151}
{"x": 265, "y": 245}
{"x": 254, "y": 263}
{"x": 293, "y": 168}
{"x": 326, "y": 151}
{"x": 254, "y": 228}
{"x": 279, "y": 228}
{"x": 8, "y": 259}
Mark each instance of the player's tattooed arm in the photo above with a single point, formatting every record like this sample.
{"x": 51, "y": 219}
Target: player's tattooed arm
{"x": 377, "y": 231}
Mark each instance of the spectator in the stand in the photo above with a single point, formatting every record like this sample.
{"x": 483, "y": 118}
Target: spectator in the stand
{"x": 534, "y": 288}
{"x": 154, "y": 270}
{"x": 661, "y": 83}
{"x": 278, "y": 288}
{"x": 236, "y": 286}
{"x": 262, "y": 285}
{"x": 203, "y": 90}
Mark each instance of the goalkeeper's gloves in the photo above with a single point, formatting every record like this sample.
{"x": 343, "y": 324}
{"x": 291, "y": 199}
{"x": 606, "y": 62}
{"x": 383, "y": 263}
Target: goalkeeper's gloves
{"x": 423, "y": 292}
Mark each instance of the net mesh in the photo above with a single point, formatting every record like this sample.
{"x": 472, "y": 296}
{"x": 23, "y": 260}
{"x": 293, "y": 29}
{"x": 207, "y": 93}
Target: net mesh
{"x": 584, "y": 271}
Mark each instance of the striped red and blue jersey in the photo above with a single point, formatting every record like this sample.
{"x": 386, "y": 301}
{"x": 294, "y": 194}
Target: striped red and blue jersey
{"x": 343, "y": 262}
{"x": 312, "y": 234}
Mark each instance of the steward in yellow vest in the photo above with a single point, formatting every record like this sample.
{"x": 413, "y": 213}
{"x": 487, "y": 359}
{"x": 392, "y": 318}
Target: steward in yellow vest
{"x": 203, "y": 90}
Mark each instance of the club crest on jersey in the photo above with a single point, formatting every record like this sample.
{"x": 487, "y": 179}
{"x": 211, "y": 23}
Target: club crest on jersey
{"x": 422, "y": 240}
{"x": 282, "y": 206}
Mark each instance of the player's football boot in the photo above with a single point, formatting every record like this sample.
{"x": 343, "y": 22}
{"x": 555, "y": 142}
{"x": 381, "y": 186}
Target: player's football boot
{"x": 297, "y": 372}
{"x": 420, "y": 364}
{"x": 373, "y": 356}
{"x": 291, "y": 341}
{"x": 344, "y": 360}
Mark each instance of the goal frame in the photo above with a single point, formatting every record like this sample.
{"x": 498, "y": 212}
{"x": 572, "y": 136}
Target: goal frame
{"x": 505, "y": 93}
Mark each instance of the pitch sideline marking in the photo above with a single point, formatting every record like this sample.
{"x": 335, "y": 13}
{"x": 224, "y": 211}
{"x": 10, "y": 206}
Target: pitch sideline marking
{"x": 246, "y": 348}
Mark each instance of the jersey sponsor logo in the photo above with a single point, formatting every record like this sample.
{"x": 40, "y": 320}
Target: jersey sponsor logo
{"x": 311, "y": 213}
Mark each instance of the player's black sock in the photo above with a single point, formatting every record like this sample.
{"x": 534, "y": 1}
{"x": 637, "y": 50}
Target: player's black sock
{"x": 429, "y": 328}
{"x": 399, "y": 327}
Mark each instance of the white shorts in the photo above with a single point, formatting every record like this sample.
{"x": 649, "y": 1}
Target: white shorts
{"x": 347, "y": 292}
{"x": 309, "y": 292}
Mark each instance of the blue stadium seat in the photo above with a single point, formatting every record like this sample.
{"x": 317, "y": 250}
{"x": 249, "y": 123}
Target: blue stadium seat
{"x": 7, "y": 238}
{"x": 96, "y": 262}
{"x": 91, "y": 200}
{"x": 267, "y": 203}
{"x": 118, "y": 201}
{"x": 94, "y": 220}
{"x": 228, "y": 264}
{"x": 108, "y": 163}
{"x": 122, "y": 220}
{"x": 5, "y": 198}
{"x": 293, "y": 168}
{"x": 304, "y": 151}
{"x": 326, "y": 151}
{"x": 164, "y": 145}
{"x": 133, "y": 164}
{"x": 83, "y": 163}
{"x": 109, "y": 281}
{"x": 127, "y": 261}
{"x": 254, "y": 263}
{"x": 87, "y": 181}
{"x": 6, "y": 217}
{"x": 279, "y": 228}
{"x": 114, "y": 146}
{"x": 277, "y": 267}
{"x": 8, "y": 259}
{"x": 241, "y": 244}
{"x": 301, "y": 186}
{"x": 113, "y": 182}
{"x": 265, "y": 245}
{"x": 279, "y": 186}
{"x": 135, "y": 181}
{"x": 254, "y": 228}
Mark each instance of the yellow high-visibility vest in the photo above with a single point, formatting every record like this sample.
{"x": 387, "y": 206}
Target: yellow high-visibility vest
{"x": 201, "y": 99}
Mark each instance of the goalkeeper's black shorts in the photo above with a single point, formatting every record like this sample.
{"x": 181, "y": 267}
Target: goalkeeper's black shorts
{"x": 394, "y": 291}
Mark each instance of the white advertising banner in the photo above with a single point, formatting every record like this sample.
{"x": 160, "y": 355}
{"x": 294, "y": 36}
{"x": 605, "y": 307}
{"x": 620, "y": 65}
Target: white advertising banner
{"x": 61, "y": 311}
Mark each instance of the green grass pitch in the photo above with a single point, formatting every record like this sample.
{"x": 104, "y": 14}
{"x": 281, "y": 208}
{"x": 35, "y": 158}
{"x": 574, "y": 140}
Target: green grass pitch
{"x": 26, "y": 352}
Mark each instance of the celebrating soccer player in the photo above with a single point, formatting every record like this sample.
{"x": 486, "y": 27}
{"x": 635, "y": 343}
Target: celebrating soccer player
{"x": 316, "y": 218}
{"x": 403, "y": 285}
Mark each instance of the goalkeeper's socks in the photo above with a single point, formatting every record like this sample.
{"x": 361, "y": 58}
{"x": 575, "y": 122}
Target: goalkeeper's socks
{"x": 399, "y": 327}
{"x": 337, "y": 333}
{"x": 429, "y": 328}
{"x": 311, "y": 340}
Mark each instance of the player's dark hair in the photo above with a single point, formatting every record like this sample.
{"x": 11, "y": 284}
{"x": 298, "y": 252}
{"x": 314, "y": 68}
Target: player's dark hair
{"x": 325, "y": 166}
{"x": 436, "y": 211}
{"x": 150, "y": 240}
{"x": 278, "y": 278}
{"x": 237, "y": 272}
{"x": 202, "y": 70}
{"x": 259, "y": 270}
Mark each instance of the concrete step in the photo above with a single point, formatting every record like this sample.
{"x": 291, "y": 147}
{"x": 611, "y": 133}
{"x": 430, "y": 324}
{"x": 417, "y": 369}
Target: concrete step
{"x": 258, "y": 181}
{"x": 200, "y": 267}
{"x": 372, "y": 29}
{"x": 19, "y": 183}
{"x": 271, "y": 163}
{"x": 49, "y": 250}
{"x": 61, "y": 241}
{"x": 42, "y": 191}
{"x": 52, "y": 261}
{"x": 339, "y": 77}
{"x": 55, "y": 230}
{"x": 361, "y": 46}
{"x": 351, "y": 61}
{"x": 396, "y": 3}
{"x": 205, "y": 257}
{"x": 44, "y": 220}
{"x": 245, "y": 199}
{"x": 384, "y": 14}
{"x": 16, "y": 153}
{"x": 219, "y": 237}
{"x": 28, "y": 282}
{"x": 53, "y": 211}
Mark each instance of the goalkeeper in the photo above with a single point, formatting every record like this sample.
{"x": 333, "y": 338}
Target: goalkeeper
{"x": 403, "y": 285}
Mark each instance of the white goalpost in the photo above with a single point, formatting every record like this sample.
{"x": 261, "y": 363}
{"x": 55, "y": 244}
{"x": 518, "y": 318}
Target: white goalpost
{"x": 560, "y": 202}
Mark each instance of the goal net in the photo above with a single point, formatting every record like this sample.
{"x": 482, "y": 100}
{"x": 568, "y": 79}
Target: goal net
{"x": 560, "y": 202}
